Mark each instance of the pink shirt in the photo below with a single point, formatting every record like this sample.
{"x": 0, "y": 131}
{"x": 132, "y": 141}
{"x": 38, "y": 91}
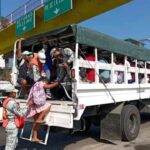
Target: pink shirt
{"x": 38, "y": 96}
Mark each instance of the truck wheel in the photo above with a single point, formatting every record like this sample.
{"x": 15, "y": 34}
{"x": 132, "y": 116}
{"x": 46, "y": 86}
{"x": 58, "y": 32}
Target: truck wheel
{"x": 130, "y": 122}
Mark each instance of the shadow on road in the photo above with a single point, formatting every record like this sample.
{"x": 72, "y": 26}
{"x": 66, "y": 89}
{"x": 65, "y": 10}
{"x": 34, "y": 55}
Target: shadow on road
{"x": 142, "y": 147}
{"x": 60, "y": 140}
{"x": 145, "y": 117}
{"x": 64, "y": 140}
{"x": 2, "y": 147}
{"x": 106, "y": 142}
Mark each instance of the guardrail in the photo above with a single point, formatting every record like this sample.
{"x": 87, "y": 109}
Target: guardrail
{"x": 29, "y": 6}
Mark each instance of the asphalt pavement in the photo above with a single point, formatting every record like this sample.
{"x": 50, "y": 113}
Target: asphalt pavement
{"x": 63, "y": 140}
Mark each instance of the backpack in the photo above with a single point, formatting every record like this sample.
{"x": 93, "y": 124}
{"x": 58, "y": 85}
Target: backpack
{"x": 19, "y": 121}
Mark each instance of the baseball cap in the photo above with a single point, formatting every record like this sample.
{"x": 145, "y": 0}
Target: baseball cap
{"x": 26, "y": 53}
{"x": 15, "y": 90}
{"x": 42, "y": 57}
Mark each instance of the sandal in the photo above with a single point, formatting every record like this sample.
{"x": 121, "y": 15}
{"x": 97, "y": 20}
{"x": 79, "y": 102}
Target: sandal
{"x": 41, "y": 121}
{"x": 38, "y": 141}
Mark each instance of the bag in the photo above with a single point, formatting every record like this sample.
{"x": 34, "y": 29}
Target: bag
{"x": 1, "y": 114}
{"x": 19, "y": 121}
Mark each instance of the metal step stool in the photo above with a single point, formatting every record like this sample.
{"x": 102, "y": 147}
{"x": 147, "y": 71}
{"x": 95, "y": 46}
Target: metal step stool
{"x": 30, "y": 137}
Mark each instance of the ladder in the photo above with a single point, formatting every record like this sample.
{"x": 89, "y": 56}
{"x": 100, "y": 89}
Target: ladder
{"x": 30, "y": 137}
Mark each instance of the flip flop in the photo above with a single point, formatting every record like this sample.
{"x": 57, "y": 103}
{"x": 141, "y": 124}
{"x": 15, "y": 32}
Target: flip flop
{"x": 38, "y": 141}
{"x": 41, "y": 122}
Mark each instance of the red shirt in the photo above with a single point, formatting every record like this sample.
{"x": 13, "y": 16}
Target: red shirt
{"x": 90, "y": 75}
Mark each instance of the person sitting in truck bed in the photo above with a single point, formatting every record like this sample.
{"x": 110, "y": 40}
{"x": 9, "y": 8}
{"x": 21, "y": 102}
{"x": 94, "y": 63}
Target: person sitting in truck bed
{"x": 23, "y": 59}
{"x": 119, "y": 75}
{"x": 90, "y": 73}
{"x": 128, "y": 65}
{"x": 104, "y": 74}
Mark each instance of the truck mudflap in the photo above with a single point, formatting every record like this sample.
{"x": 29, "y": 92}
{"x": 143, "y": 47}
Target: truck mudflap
{"x": 58, "y": 119}
{"x": 61, "y": 114}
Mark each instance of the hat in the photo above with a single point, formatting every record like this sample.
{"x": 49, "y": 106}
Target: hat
{"x": 26, "y": 53}
{"x": 42, "y": 57}
{"x": 15, "y": 90}
{"x": 52, "y": 51}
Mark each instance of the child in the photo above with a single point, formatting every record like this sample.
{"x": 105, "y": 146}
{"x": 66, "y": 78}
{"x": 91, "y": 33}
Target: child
{"x": 11, "y": 109}
{"x": 38, "y": 108}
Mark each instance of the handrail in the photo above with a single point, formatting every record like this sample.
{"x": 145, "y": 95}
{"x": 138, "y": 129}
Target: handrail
{"x": 19, "y": 12}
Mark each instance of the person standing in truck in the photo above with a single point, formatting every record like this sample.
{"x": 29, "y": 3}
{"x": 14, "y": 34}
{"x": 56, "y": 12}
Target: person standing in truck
{"x": 62, "y": 64}
{"x": 23, "y": 59}
{"x": 48, "y": 62}
{"x": 62, "y": 59}
{"x": 36, "y": 69}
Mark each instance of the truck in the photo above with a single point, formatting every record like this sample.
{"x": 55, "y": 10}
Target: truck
{"x": 5, "y": 82}
{"x": 114, "y": 107}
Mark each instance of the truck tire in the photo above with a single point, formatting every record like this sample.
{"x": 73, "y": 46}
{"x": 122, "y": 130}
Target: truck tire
{"x": 130, "y": 122}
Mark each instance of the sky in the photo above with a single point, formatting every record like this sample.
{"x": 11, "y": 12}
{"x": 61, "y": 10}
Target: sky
{"x": 8, "y": 6}
{"x": 131, "y": 20}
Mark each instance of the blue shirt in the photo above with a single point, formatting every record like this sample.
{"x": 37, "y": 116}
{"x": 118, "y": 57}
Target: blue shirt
{"x": 48, "y": 63}
{"x": 104, "y": 73}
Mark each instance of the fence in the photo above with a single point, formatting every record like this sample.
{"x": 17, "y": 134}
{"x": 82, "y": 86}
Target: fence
{"x": 29, "y": 6}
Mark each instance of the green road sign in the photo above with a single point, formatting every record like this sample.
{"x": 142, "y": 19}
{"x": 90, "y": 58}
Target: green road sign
{"x": 54, "y": 8}
{"x": 25, "y": 23}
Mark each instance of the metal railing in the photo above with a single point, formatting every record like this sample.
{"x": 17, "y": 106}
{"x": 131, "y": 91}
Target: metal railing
{"x": 29, "y": 6}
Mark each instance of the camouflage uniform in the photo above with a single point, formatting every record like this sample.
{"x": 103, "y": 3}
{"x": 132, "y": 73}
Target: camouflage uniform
{"x": 11, "y": 129}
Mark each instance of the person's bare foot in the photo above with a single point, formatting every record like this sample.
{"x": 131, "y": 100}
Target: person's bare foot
{"x": 40, "y": 121}
{"x": 37, "y": 141}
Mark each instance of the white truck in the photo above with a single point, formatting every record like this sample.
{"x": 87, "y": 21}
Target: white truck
{"x": 5, "y": 82}
{"x": 114, "y": 107}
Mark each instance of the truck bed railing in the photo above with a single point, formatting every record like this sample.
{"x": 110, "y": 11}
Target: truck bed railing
{"x": 5, "y": 74}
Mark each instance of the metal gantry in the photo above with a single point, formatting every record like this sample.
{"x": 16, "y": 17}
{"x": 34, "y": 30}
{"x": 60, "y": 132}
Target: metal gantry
{"x": 27, "y": 7}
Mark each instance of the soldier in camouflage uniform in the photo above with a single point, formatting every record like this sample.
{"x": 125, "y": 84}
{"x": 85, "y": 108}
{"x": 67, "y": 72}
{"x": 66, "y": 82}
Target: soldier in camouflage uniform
{"x": 12, "y": 109}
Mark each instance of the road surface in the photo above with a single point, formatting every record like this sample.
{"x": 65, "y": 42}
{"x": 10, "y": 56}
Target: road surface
{"x": 62, "y": 140}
